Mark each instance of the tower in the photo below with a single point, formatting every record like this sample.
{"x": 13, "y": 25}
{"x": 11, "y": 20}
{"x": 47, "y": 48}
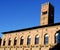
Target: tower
{"x": 47, "y": 14}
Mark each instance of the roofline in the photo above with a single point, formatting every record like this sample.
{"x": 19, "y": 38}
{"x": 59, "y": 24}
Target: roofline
{"x": 30, "y": 28}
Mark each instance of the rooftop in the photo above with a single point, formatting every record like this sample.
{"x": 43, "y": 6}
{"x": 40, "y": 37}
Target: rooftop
{"x": 30, "y": 28}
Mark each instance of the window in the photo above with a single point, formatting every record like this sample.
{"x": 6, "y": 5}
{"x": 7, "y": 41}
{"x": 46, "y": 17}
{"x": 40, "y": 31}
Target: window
{"x": 15, "y": 41}
{"x": 9, "y": 42}
{"x": 46, "y": 39}
{"x": 4, "y": 41}
{"x": 44, "y": 12}
{"x": 37, "y": 39}
{"x": 57, "y": 38}
{"x": 0, "y": 41}
{"x": 21, "y": 41}
{"x": 28, "y": 40}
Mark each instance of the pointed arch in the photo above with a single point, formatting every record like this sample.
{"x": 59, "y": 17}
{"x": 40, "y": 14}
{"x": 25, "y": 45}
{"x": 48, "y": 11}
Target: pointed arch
{"x": 4, "y": 41}
{"x": 46, "y": 38}
{"x": 9, "y": 41}
{"x": 37, "y": 39}
{"x": 28, "y": 40}
{"x": 15, "y": 40}
{"x": 0, "y": 41}
{"x": 57, "y": 37}
{"x": 21, "y": 40}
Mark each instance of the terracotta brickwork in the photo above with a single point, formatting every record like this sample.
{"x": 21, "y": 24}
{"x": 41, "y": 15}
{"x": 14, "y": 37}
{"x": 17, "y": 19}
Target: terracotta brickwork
{"x": 51, "y": 31}
{"x": 47, "y": 14}
{"x": 15, "y": 37}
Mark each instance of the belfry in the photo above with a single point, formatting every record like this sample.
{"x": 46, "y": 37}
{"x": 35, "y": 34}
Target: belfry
{"x": 47, "y": 14}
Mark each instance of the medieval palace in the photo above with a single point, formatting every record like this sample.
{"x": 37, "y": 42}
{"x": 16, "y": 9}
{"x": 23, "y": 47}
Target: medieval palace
{"x": 42, "y": 37}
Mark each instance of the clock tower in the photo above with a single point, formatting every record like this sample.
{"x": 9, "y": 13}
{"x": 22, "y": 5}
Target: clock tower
{"x": 47, "y": 14}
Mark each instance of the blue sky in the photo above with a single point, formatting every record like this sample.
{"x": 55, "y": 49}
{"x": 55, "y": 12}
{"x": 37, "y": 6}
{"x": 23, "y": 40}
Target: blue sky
{"x": 19, "y": 14}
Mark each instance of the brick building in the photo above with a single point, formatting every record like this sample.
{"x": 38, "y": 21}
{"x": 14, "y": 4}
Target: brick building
{"x": 40, "y": 37}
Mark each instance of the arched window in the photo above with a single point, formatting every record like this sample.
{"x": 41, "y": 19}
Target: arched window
{"x": 46, "y": 39}
{"x": 21, "y": 40}
{"x": 15, "y": 41}
{"x": 36, "y": 39}
{"x": 0, "y": 41}
{"x": 4, "y": 41}
{"x": 57, "y": 37}
{"x": 9, "y": 42}
{"x": 28, "y": 40}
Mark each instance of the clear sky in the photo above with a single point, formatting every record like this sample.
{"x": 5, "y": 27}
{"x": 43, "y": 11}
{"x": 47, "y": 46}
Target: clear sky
{"x": 19, "y": 14}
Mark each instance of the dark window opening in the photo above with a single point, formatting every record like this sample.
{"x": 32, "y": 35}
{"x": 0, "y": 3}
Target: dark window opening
{"x": 4, "y": 43}
{"x": 46, "y": 39}
{"x": 0, "y": 41}
{"x": 15, "y": 41}
{"x": 9, "y": 43}
{"x": 44, "y": 12}
{"x": 28, "y": 41}
{"x": 57, "y": 38}
{"x": 36, "y": 40}
{"x": 21, "y": 42}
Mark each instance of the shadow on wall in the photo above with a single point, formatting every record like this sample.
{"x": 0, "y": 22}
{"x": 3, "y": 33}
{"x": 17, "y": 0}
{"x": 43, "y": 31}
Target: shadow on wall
{"x": 56, "y": 47}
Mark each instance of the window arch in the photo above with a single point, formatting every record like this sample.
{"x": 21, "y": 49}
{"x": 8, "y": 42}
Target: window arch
{"x": 0, "y": 41}
{"x": 15, "y": 40}
{"x": 21, "y": 40}
{"x": 57, "y": 37}
{"x": 28, "y": 40}
{"x": 46, "y": 37}
{"x": 36, "y": 39}
{"x": 9, "y": 42}
{"x": 4, "y": 41}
